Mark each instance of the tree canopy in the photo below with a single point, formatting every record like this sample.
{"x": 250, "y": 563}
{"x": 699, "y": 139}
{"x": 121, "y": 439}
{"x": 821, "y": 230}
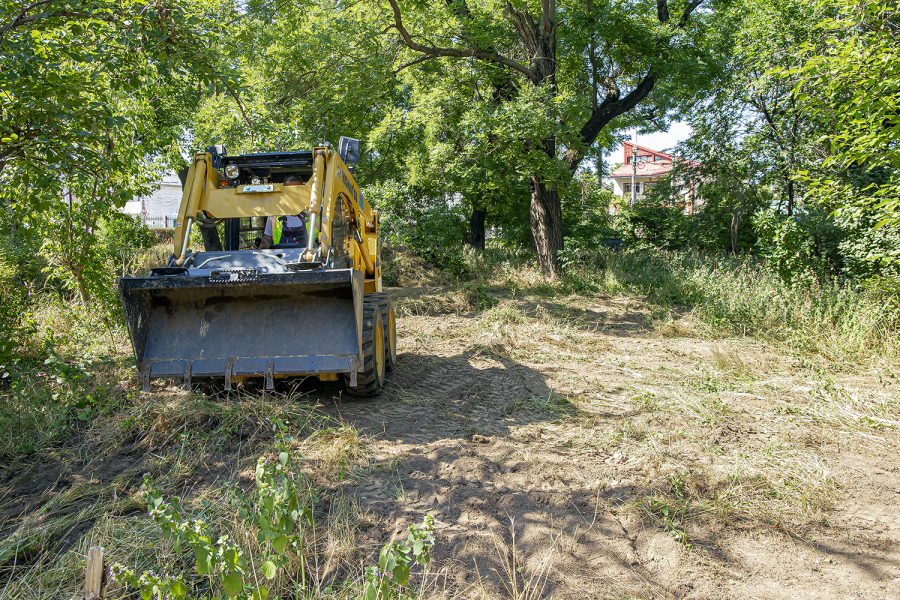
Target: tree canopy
{"x": 481, "y": 110}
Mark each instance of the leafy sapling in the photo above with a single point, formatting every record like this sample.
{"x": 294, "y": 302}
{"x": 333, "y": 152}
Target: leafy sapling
{"x": 390, "y": 579}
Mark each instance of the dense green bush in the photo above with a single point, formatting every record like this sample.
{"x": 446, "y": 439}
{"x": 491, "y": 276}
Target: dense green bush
{"x": 15, "y": 285}
{"x": 654, "y": 223}
{"x": 123, "y": 238}
{"x": 433, "y": 228}
{"x": 585, "y": 214}
{"x": 802, "y": 247}
{"x": 867, "y": 252}
{"x": 21, "y": 281}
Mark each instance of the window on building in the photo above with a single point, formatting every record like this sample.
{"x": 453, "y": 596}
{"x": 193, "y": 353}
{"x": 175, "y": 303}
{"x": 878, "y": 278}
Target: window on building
{"x": 626, "y": 188}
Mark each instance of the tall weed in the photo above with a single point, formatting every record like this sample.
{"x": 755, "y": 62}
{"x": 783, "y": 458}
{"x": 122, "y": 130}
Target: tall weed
{"x": 721, "y": 295}
{"x": 737, "y": 295}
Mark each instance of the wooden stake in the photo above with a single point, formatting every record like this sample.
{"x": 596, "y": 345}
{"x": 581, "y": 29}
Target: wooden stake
{"x": 93, "y": 574}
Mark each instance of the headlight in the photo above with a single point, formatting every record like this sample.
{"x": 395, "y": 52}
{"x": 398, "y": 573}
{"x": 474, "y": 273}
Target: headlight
{"x": 232, "y": 171}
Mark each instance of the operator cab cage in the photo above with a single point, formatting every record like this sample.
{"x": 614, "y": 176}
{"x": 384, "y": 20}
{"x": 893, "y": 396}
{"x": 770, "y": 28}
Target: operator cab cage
{"x": 264, "y": 168}
{"x": 273, "y": 167}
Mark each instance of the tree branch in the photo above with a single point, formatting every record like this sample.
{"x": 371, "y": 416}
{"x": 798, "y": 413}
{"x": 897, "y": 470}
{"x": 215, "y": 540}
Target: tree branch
{"x": 690, "y": 8}
{"x": 415, "y": 62}
{"x": 611, "y": 108}
{"x": 239, "y": 103}
{"x": 412, "y": 45}
{"x": 525, "y": 30}
{"x": 20, "y": 20}
{"x": 662, "y": 11}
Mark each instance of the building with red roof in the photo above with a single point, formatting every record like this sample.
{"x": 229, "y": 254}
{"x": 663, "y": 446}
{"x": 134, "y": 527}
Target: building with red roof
{"x": 652, "y": 166}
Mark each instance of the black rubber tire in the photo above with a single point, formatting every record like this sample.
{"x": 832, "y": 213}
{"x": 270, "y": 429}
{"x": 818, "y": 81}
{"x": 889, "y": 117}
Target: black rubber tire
{"x": 385, "y": 305}
{"x": 370, "y": 380}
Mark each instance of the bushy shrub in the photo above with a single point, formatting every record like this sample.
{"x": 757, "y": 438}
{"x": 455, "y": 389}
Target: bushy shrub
{"x": 654, "y": 223}
{"x": 433, "y": 228}
{"x": 586, "y": 221}
{"x": 802, "y": 247}
{"x": 867, "y": 252}
{"x": 19, "y": 271}
{"x": 123, "y": 238}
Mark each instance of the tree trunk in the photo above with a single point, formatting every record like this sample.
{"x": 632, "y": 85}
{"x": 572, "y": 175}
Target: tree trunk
{"x": 546, "y": 208}
{"x": 790, "y": 194}
{"x": 476, "y": 228}
{"x": 546, "y": 226}
{"x": 82, "y": 285}
{"x": 208, "y": 231}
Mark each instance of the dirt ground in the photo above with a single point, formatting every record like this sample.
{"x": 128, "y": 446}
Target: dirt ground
{"x": 568, "y": 449}
{"x": 573, "y": 432}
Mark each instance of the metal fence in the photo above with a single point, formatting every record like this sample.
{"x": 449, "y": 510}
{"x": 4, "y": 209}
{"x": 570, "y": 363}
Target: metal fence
{"x": 165, "y": 221}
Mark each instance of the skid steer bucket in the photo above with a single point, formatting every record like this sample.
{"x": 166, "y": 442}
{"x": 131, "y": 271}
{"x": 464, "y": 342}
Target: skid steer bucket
{"x": 237, "y": 323}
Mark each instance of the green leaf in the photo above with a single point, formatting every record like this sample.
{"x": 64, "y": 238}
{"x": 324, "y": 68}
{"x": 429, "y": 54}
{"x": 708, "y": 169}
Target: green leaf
{"x": 279, "y": 544}
{"x": 283, "y": 458}
{"x": 371, "y": 591}
{"x": 401, "y": 574}
{"x": 178, "y": 589}
{"x": 202, "y": 560}
{"x": 265, "y": 523}
{"x": 233, "y": 584}
{"x": 260, "y": 593}
{"x": 269, "y": 569}
{"x": 231, "y": 558}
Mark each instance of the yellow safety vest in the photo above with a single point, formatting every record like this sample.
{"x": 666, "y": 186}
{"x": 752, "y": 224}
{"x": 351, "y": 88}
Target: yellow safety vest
{"x": 276, "y": 230}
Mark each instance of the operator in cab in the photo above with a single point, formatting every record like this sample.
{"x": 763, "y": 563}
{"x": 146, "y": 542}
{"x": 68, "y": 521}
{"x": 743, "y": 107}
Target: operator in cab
{"x": 286, "y": 229}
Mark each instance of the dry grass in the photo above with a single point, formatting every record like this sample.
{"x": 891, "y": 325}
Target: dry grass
{"x": 341, "y": 552}
{"x": 333, "y": 452}
{"x": 156, "y": 256}
{"x": 405, "y": 269}
{"x": 454, "y": 301}
{"x": 523, "y": 577}
{"x": 517, "y": 331}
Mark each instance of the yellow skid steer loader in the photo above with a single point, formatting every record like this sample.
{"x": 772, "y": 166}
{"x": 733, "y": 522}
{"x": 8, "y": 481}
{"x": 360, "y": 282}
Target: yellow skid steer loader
{"x": 270, "y": 308}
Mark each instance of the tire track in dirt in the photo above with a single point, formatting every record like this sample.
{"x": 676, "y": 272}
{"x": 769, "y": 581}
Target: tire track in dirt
{"x": 478, "y": 440}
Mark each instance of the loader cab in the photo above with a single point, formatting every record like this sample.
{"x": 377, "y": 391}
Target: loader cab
{"x": 255, "y": 169}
